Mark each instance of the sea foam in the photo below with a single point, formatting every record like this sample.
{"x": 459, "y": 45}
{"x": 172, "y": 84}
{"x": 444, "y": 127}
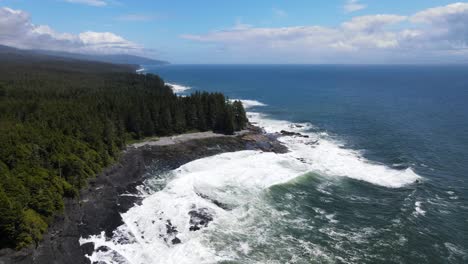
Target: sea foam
{"x": 233, "y": 179}
{"x": 249, "y": 103}
{"x": 227, "y": 189}
{"x": 178, "y": 88}
{"x": 327, "y": 156}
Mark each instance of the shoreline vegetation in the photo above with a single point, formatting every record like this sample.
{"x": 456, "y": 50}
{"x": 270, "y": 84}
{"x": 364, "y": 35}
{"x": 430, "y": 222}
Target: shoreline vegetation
{"x": 114, "y": 191}
{"x": 62, "y": 122}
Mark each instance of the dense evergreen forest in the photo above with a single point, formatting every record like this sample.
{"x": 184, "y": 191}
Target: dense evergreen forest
{"x": 63, "y": 121}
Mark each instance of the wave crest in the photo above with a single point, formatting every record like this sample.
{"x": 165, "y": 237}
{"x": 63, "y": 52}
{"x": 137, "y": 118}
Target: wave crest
{"x": 327, "y": 156}
{"x": 219, "y": 199}
{"x": 249, "y": 103}
{"x": 178, "y": 88}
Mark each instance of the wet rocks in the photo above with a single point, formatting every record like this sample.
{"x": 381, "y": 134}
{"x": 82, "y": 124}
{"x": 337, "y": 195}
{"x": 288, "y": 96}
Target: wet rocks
{"x": 102, "y": 249}
{"x": 170, "y": 229}
{"x": 171, "y": 232}
{"x": 200, "y": 218}
{"x": 264, "y": 142}
{"x": 289, "y": 133}
{"x": 214, "y": 201}
{"x": 102, "y": 203}
{"x": 176, "y": 241}
{"x": 302, "y": 160}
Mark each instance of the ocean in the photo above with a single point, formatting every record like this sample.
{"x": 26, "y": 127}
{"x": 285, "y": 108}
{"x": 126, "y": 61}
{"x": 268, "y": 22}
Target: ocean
{"x": 382, "y": 177}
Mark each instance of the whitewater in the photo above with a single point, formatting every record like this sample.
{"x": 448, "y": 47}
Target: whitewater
{"x": 178, "y": 88}
{"x": 228, "y": 198}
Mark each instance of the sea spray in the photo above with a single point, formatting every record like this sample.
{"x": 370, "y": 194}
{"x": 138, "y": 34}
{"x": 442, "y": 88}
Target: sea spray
{"x": 217, "y": 208}
{"x": 178, "y": 88}
{"x": 386, "y": 115}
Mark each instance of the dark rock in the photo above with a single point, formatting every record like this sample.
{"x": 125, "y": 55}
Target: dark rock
{"x": 301, "y": 160}
{"x": 214, "y": 201}
{"x": 264, "y": 142}
{"x": 194, "y": 228}
{"x": 102, "y": 249}
{"x": 289, "y": 133}
{"x": 170, "y": 229}
{"x": 176, "y": 241}
{"x": 101, "y": 203}
{"x": 200, "y": 218}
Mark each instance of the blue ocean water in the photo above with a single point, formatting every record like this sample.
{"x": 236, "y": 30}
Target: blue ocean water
{"x": 402, "y": 116}
{"x": 349, "y": 194}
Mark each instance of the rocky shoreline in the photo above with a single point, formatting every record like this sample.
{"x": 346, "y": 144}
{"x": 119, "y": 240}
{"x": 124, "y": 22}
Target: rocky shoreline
{"x": 101, "y": 203}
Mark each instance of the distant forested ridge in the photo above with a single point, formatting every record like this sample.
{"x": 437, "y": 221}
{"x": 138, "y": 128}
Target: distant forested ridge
{"x": 109, "y": 58}
{"x": 63, "y": 121}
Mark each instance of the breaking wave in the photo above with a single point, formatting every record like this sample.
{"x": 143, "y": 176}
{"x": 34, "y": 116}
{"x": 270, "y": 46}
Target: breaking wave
{"x": 178, "y": 88}
{"x": 215, "y": 209}
{"x": 249, "y": 103}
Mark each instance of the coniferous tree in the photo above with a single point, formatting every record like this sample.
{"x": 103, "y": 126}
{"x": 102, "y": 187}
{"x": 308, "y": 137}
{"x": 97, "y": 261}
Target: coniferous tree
{"x": 2, "y": 91}
{"x": 62, "y": 124}
{"x": 8, "y": 217}
{"x": 228, "y": 119}
{"x": 240, "y": 118}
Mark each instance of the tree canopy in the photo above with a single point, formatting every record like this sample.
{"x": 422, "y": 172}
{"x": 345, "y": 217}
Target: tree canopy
{"x": 61, "y": 123}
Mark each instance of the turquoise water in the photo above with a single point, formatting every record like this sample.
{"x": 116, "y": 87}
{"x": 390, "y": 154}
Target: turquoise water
{"x": 382, "y": 178}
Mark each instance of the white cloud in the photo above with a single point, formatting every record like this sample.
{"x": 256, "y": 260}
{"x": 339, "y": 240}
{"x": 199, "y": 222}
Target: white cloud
{"x": 17, "y": 30}
{"x": 353, "y": 35}
{"x": 353, "y": 6}
{"x": 89, "y": 2}
{"x": 453, "y": 13}
{"x": 436, "y": 33}
{"x": 372, "y": 23}
{"x": 444, "y": 28}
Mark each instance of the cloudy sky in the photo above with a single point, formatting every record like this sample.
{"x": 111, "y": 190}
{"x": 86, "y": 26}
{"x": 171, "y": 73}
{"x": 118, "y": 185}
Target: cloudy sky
{"x": 241, "y": 31}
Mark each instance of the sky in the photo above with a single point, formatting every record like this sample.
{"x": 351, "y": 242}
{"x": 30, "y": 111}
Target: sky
{"x": 241, "y": 31}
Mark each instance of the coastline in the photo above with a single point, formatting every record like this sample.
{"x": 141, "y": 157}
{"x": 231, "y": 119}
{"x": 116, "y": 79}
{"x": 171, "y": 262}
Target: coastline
{"x": 171, "y": 140}
{"x": 112, "y": 192}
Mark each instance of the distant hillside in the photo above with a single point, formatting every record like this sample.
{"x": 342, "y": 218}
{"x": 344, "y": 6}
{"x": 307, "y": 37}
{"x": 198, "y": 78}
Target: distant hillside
{"x": 26, "y": 59}
{"x": 6, "y": 49}
{"x": 112, "y": 58}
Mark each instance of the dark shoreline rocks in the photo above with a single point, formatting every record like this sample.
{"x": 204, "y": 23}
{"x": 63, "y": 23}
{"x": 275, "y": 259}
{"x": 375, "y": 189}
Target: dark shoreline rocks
{"x": 101, "y": 202}
{"x": 289, "y": 133}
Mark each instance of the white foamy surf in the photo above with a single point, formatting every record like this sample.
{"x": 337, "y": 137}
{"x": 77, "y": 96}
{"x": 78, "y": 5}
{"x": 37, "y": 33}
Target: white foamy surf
{"x": 230, "y": 179}
{"x": 178, "y": 88}
{"x": 418, "y": 210}
{"x": 249, "y": 103}
{"x": 213, "y": 209}
{"x": 326, "y": 156}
